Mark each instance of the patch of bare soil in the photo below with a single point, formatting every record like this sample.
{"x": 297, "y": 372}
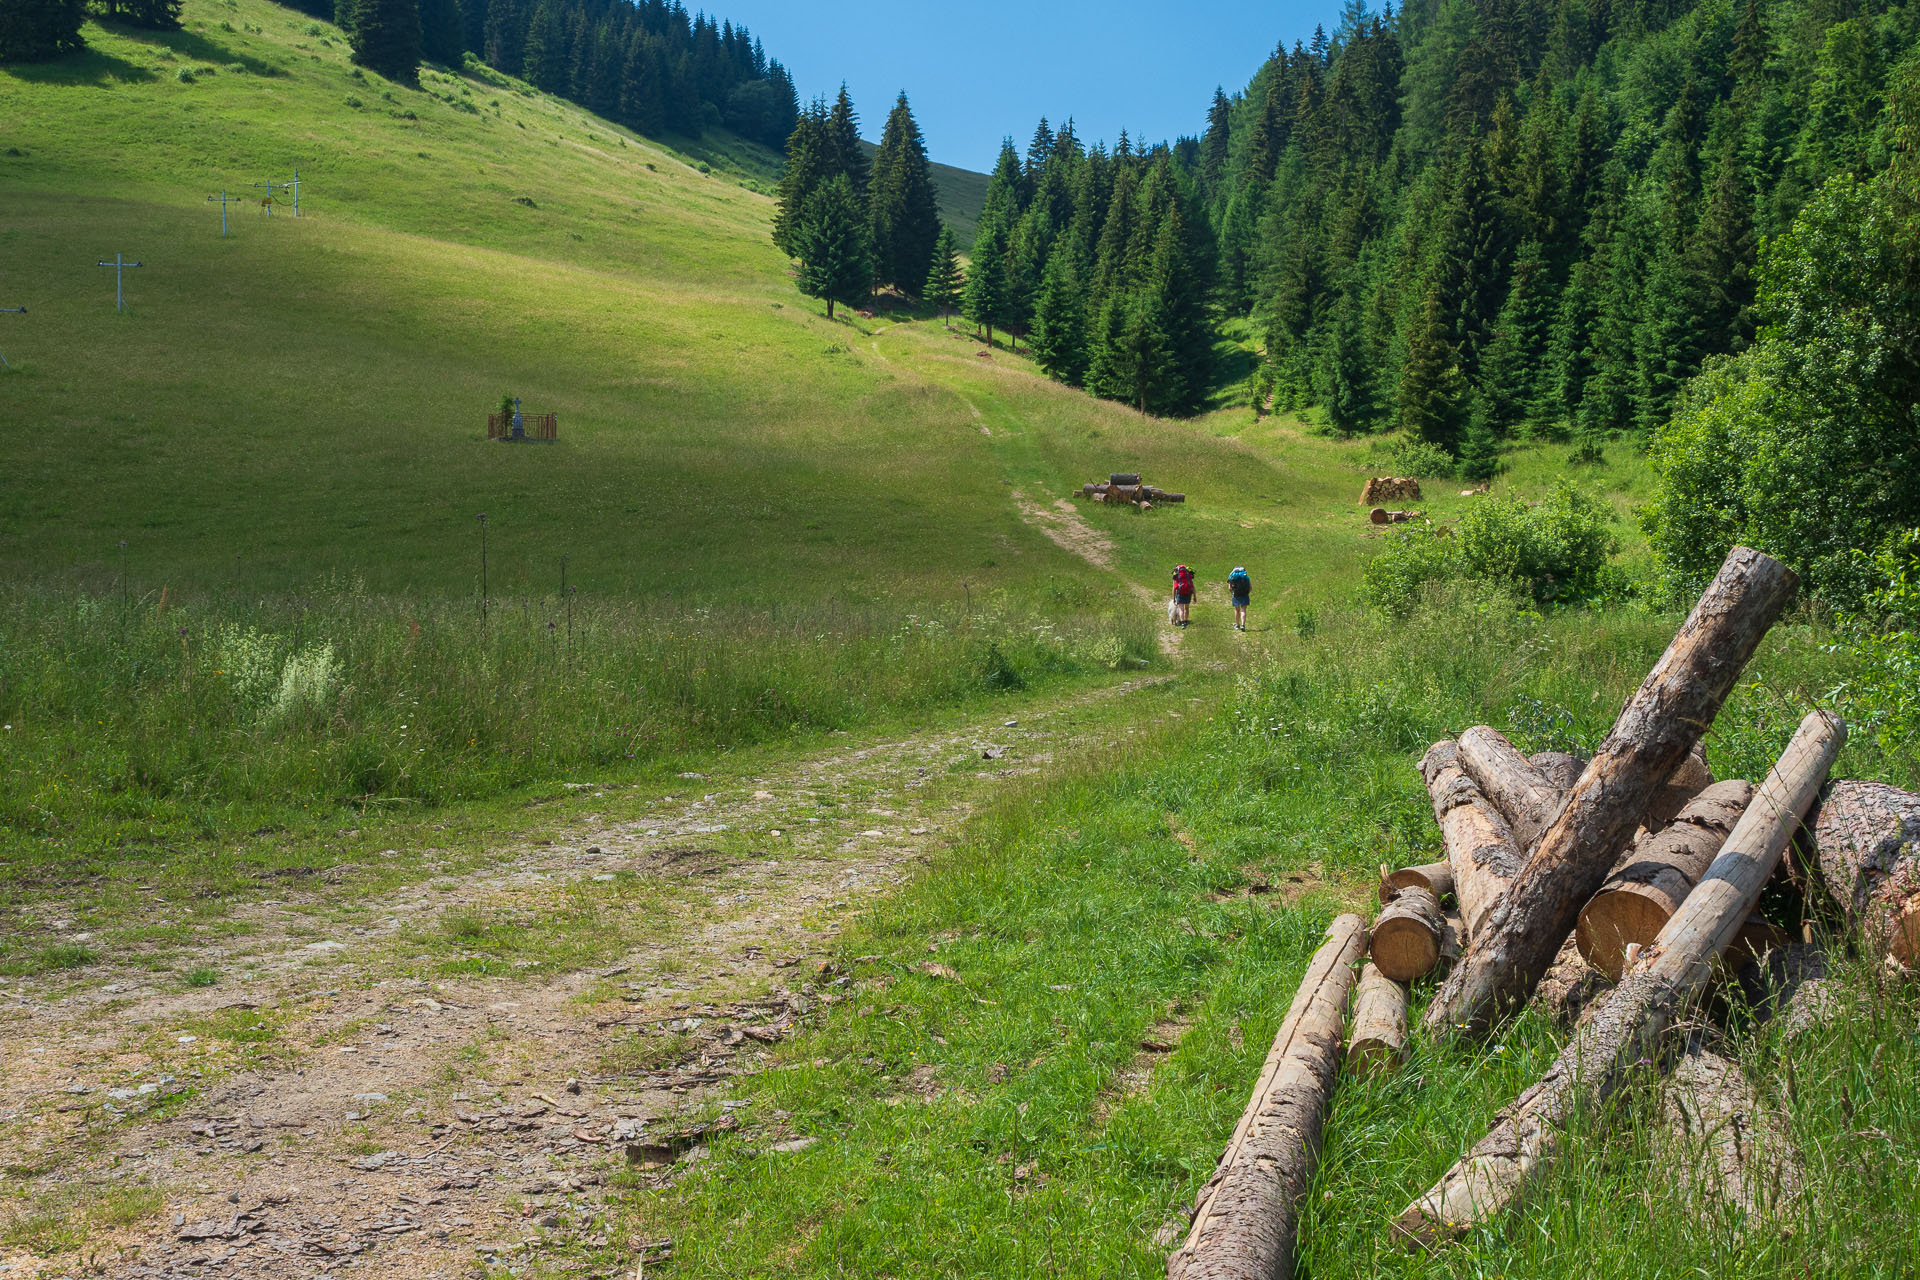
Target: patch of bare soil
{"x": 334, "y": 1114}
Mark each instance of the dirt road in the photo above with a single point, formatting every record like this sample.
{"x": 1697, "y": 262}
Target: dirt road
{"x": 349, "y": 1108}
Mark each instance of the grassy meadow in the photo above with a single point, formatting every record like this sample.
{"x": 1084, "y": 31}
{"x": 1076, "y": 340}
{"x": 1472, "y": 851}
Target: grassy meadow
{"x": 242, "y": 627}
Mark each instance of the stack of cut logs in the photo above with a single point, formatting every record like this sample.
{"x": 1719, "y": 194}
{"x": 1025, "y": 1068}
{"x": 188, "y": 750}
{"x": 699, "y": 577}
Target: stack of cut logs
{"x": 1125, "y": 486}
{"x": 1613, "y": 890}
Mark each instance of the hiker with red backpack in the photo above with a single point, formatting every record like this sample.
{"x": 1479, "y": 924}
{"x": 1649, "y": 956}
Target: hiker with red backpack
{"x": 1182, "y": 595}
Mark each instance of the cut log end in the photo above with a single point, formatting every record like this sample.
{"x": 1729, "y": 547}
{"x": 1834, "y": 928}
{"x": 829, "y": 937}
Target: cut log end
{"x": 1405, "y": 940}
{"x": 1378, "y": 1041}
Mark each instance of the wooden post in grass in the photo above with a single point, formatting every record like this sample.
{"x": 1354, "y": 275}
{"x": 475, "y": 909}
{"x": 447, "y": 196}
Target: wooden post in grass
{"x": 1244, "y": 1224}
{"x": 1654, "y": 734}
{"x": 1628, "y": 1028}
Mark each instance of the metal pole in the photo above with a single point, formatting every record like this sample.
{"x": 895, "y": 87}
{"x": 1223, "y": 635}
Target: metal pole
{"x": 223, "y": 199}
{"x": 119, "y": 266}
{"x": 20, "y": 311}
{"x": 296, "y": 193}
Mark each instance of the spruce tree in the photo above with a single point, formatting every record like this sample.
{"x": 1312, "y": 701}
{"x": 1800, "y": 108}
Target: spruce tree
{"x": 36, "y": 30}
{"x": 944, "y": 280}
{"x": 155, "y": 15}
{"x": 385, "y": 37}
{"x": 1431, "y": 388}
{"x": 986, "y": 298}
{"x": 836, "y": 264}
{"x": 1508, "y": 389}
{"x": 443, "y": 31}
{"x": 842, "y": 142}
{"x": 906, "y": 213}
{"x": 809, "y": 167}
{"x": 1059, "y": 340}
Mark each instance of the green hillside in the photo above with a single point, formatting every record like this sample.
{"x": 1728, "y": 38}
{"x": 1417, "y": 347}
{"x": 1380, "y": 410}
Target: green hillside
{"x": 963, "y": 193}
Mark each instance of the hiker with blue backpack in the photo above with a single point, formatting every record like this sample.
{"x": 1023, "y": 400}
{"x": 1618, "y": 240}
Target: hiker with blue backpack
{"x": 1242, "y": 588}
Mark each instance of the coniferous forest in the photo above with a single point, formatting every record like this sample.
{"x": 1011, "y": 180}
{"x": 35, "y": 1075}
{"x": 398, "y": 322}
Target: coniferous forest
{"x": 1487, "y": 221}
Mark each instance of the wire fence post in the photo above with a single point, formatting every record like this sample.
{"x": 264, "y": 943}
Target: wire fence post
{"x": 223, "y": 199}
{"x": 18, "y": 311}
{"x": 120, "y": 267}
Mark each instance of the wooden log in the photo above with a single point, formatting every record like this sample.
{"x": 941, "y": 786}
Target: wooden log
{"x": 1682, "y": 785}
{"x": 1571, "y": 988}
{"x": 1245, "y": 1221}
{"x": 1521, "y": 793}
{"x": 1865, "y": 840}
{"x": 1435, "y": 877}
{"x": 1628, "y": 1028}
{"x": 1658, "y": 729}
{"x": 1721, "y": 1142}
{"x": 1655, "y": 876}
{"x": 1378, "y": 1040}
{"x": 1789, "y": 987}
{"x": 1406, "y": 936}
{"x": 1173, "y": 497}
{"x": 1558, "y": 768}
{"x": 1124, "y": 477}
{"x": 1757, "y": 936}
{"x": 1479, "y": 845}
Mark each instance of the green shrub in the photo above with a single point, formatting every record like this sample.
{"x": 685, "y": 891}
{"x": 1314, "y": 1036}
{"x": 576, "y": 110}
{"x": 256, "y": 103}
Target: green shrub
{"x": 1404, "y": 456}
{"x": 1884, "y": 698}
{"x": 1552, "y": 552}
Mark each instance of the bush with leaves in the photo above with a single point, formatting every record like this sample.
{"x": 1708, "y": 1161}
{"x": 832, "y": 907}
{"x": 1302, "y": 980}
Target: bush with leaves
{"x": 1884, "y": 638}
{"x": 1552, "y": 552}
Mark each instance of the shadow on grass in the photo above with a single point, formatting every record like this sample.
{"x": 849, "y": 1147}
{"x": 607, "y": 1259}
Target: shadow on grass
{"x": 189, "y": 44}
{"x": 87, "y": 67}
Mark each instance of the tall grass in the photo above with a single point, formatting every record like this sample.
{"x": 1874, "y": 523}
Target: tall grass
{"x": 196, "y": 713}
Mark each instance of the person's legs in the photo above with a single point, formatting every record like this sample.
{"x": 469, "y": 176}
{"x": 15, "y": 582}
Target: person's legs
{"x": 1240, "y": 616}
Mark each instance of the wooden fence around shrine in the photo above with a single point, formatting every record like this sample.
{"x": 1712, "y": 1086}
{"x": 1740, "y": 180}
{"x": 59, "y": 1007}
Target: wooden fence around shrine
{"x": 538, "y": 426}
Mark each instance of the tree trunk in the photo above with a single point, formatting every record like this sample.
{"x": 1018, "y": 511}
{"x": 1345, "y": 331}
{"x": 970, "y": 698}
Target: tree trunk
{"x": 1479, "y": 844}
{"x": 1378, "y": 1041}
{"x": 1866, "y": 842}
{"x": 1628, "y": 1028}
{"x": 1518, "y": 790}
{"x": 1571, "y": 988}
{"x": 1721, "y": 1142}
{"x": 1654, "y": 734}
{"x": 1789, "y": 987}
{"x": 1435, "y": 877}
{"x": 1406, "y": 938}
{"x": 1558, "y": 768}
{"x": 1655, "y": 876}
{"x": 1245, "y": 1221}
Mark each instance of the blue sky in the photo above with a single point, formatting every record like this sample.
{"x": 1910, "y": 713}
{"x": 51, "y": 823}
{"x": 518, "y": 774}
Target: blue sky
{"x": 976, "y": 73}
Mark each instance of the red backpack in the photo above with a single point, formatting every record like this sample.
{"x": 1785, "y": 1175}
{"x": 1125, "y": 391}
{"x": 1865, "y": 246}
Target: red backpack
{"x": 1183, "y": 580}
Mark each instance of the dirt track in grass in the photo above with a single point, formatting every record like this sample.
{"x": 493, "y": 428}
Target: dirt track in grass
{"x": 355, "y": 1105}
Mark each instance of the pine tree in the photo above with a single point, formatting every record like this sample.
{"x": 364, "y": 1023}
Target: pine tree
{"x": 842, "y": 143}
{"x": 906, "y": 213}
{"x": 1431, "y": 388}
{"x": 385, "y": 37}
{"x": 809, "y": 167}
{"x": 944, "y": 281}
{"x": 443, "y": 31}
{"x": 155, "y": 15}
{"x": 1059, "y": 340}
{"x": 986, "y": 298}
{"x": 836, "y": 264}
{"x": 36, "y": 30}
{"x": 1508, "y": 389}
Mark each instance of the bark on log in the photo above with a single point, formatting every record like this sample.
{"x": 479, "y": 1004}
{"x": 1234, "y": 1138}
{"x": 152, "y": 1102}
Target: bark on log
{"x": 1721, "y": 1141}
{"x": 1479, "y": 844}
{"x": 1789, "y": 988}
{"x": 1689, "y": 780}
{"x": 1519, "y": 791}
{"x": 1628, "y": 1028}
{"x": 1571, "y": 988}
{"x": 1654, "y": 734}
{"x": 1866, "y": 840}
{"x": 1655, "y": 876}
{"x": 1124, "y": 477}
{"x": 1558, "y": 768}
{"x": 1378, "y": 1041}
{"x": 1406, "y": 937}
{"x": 1245, "y": 1222}
{"x": 1435, "y": 877}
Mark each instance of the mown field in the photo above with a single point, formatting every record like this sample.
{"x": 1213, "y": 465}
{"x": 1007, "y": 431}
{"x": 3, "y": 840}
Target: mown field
{"x": 244, "y": 628}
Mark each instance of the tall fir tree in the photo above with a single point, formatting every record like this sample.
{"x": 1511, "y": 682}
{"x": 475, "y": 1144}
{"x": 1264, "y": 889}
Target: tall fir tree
{"x": 809, "y": 166}
{"x": 1059, "y": 340}
{"x": 944, "y": 280}
{"x": 842, "y": 141}
{"x": 836, "y": 264}
{"x": 385, "y": 37}
{"x": 1432, "y": 391}
{"x": 906, "y": 211}
{"x": 443, "y": 29}
{"x": 987, "y": 296}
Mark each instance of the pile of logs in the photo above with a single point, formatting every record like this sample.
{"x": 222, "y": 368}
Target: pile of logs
{"x": 1125, "y": 487}
{"x": 1383, "y": 489}
{"x": 1616, "y": 887}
